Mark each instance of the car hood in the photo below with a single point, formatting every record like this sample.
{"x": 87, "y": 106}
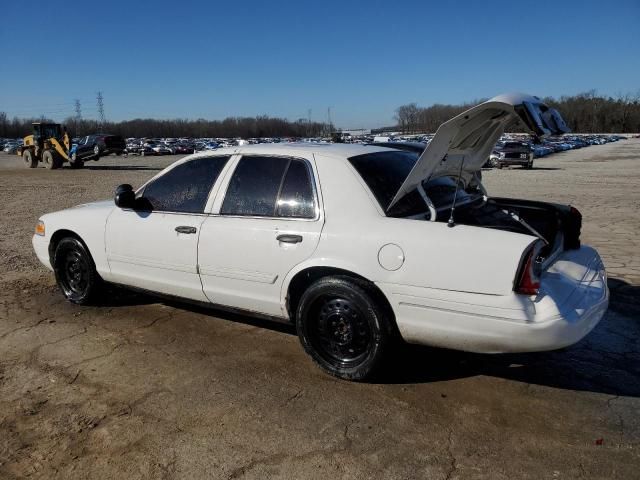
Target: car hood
{"x": 100, "y": 205}
{"x": 462, "y": 145}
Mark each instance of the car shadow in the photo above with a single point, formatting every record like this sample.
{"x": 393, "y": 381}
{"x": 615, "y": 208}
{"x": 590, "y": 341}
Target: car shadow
{"x": 607, "y": 361}
{"x": 117, "y": 296}
{"x": 121, "y": 167}
{"x": 543, "y": 169}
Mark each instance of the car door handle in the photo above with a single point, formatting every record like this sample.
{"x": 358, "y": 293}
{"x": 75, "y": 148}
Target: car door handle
{"x": 289, "y": 238}
{"x": 186, "y": 229}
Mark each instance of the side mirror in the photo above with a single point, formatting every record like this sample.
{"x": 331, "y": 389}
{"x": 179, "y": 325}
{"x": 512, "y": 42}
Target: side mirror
{"x": 125, "y": 197}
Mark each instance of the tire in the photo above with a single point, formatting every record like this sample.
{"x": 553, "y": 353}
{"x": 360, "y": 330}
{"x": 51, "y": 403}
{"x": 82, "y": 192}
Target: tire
{"x": 529, "y": 165}
{"x": 51, "y": 160}
{"x": 29, "y": 159}
{"x": 75, "y": 272}
{"x": 343, "y": 328}
{"x": 96, "y": 151}
{"x": 494, "y": 163}
{"x": 75, "y": 162}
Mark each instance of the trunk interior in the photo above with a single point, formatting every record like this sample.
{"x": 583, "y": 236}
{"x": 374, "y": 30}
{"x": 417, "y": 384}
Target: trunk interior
{"x": 558, "y": 225}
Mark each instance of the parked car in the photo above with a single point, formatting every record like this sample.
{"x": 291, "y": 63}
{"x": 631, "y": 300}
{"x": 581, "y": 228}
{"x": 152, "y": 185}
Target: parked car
{"x": 10, "y": 148}
{"x": 147, "y": 151}
{"x": 512, "y": 153}
{"x": 183, "y": 149}
{"x": 277, "y": 230}
{"x": 162, "y": 149}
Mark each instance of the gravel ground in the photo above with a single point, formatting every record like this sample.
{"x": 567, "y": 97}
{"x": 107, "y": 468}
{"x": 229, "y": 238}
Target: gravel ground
{"x": 147, "y": 389}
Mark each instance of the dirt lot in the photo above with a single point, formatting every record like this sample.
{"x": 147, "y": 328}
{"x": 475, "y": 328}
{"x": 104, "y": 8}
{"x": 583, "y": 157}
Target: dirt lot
{"x": 144, "y": 389}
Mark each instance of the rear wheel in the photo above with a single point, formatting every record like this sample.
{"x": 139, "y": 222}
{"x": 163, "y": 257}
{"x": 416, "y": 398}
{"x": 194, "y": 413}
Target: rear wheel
{"x": 495, "y": 163}
{"x": 343, "y": 328}
{"x": 75, "y": 272}
{"x": 51, "y": 160}
{"x": 29, "y": 159}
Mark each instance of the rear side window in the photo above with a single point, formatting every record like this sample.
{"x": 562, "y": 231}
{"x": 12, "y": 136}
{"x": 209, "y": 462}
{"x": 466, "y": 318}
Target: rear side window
{"x": 270, "y": 187}
{"x": 186, "y": 187}
{"x": 296, "y": 195}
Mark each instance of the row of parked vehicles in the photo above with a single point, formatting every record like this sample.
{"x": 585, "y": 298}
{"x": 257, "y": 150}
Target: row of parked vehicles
{"x": 509, "y": 151}
{"x": 518, "y": 150}
{"x": 178, "y": 146}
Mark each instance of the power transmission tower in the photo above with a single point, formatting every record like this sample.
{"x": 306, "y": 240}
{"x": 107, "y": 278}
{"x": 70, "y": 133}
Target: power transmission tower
{"x": 101, "y": 109}
{"x": 77, "y": 110}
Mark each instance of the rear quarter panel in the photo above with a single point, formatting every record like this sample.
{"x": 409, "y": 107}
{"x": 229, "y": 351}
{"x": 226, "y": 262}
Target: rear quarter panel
{"x": 459, "y": 258}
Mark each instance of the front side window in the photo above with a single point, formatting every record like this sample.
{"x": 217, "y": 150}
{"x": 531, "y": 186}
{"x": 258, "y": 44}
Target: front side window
{"x": 270, "y": 187}
{"x": 184, "y": 188}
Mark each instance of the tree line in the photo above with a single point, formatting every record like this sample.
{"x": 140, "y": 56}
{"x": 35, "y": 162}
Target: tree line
{"x": 584, "y": 113}
{"x": 231, "y": 127}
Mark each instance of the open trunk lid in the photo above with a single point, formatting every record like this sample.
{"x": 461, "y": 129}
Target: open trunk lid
{"x": 462, "y": 145}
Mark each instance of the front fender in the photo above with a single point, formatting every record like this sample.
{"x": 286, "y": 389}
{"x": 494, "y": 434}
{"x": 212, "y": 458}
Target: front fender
{"x": 87, "y": 222}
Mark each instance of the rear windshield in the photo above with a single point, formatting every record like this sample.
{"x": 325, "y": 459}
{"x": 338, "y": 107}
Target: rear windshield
{"x": 384, "y": 172}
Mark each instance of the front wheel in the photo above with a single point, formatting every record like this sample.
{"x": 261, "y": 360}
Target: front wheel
{"x": 29, "y": 159}
{"x": 343, "y": 328}
{"x": 75, "y": 272}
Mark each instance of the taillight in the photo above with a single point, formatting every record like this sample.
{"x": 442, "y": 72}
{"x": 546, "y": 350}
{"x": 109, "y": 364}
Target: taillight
{"x": 530, "y": 270}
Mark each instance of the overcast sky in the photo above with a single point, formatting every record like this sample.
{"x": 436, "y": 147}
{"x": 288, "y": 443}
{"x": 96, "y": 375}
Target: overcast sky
{"x": 207, "y": 59}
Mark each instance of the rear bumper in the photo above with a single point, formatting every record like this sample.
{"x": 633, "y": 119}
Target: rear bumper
{"x": 573, "y": 299}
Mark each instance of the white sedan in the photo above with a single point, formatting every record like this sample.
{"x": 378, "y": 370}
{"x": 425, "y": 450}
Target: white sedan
{"x": 353, "y": 244}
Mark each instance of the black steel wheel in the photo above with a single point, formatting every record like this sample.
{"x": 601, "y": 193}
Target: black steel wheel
{"x": 75, "y": 271}
{"x": 342, "y": 327}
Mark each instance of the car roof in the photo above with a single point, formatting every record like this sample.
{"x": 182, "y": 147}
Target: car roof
{"x": 341, "y": 150}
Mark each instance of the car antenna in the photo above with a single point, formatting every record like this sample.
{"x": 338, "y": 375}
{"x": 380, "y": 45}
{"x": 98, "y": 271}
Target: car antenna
{"x": 451, "y": 221}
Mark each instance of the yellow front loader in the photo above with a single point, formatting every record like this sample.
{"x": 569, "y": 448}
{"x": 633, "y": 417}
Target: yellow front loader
{"x": 49, "y": 144}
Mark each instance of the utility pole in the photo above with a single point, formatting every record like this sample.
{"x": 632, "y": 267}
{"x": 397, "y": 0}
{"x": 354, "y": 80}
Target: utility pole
{"x": 309, "y": 123}
{"x": 78, "y": 110}
{"x": 78, "y": 117}
{"x": 330, "y": 126}
{"x": 101, "y": 109}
